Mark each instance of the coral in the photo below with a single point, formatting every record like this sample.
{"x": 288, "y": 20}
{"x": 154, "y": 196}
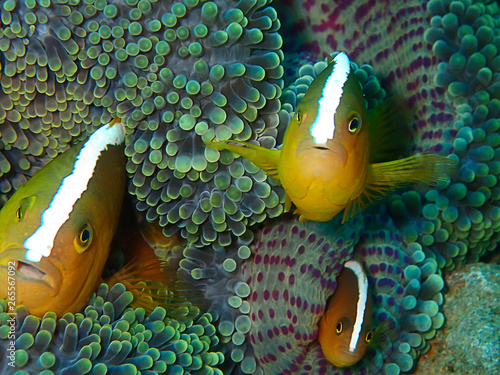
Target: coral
{"x": 470, "y": 344}
{"x": 443, "y": 58}
{"x": 109, "y": 337}
{"x": 176, "y": 73}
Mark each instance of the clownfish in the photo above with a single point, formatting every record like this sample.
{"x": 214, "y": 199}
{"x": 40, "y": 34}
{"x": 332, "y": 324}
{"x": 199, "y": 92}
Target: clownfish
{"x": 332, "y": 148}
{"x": 56, "y": 230}
{"x": 345, "y": 329}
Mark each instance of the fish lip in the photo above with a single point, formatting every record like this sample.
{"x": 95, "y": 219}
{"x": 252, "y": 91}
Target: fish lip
{"x": 332, "y": 146}
{"x": 42, "y": 272}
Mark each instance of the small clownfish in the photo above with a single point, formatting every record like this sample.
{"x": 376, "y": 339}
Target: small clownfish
{"x": 332, "y": 150}
{"x": 345, "y": 329}
{"x": 56, "y": 230}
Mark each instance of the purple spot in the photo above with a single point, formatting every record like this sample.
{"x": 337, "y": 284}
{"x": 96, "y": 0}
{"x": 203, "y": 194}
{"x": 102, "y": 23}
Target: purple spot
{"x": 283, "y": 242}
{"x": 284, "y": 330}
{"x": 257, "y": 259}
{"x": 291, "y": 279}
{"x": 269, "y": 333}
{"x": 259, "y": 336}
{"x": 255, "y": 295}
{"x": 266, "y": 295}
{"x": 389, "y": 251}
{"x": 276, "y": 294}
{"x": 301, "y": 249}
{"x": 271, "y": 313}
{"x": 295, "y": 229}
{"x": 266, "y": 259}
{"x": 292, "y": 300}
{"x": 311, "y": 238}
{"x": 281, "y": 276}
{"x": 299, "y": 302}
{"x": 281, "y": 349}
{"x": 302, "y": 234}
{"x": 386, "y": 282}
{"x": 260, "y": 276}
{"x": 303, "y": 268}
{"x": 260, "y": 313}
{"x": 285, "y": 295}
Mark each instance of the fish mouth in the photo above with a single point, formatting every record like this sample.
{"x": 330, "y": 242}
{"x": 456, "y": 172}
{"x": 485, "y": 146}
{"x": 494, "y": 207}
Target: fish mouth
{"x": 331, "y": 149}
{"x": 44, "y": 272}
{"x": 29, "y": 271}
{"x": 323, "y": 148}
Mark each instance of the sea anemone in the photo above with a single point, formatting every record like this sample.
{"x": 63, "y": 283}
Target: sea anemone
{"x": 176, "y": 73}
{"x": 109, "y": 337}
{"x": 443, "y": 57}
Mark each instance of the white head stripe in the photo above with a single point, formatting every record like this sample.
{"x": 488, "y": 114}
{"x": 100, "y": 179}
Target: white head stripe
{"x": 323, "y": 127}
{"x": 72, "y": 187}
{"x": 362, "y": 298}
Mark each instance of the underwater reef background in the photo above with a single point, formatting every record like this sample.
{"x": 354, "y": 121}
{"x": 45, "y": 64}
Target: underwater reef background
{"x": 182, "y": 72}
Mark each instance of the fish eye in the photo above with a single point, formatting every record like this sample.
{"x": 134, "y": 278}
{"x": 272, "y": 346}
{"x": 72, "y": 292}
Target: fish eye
{"x": 369, "y": 336}
{"x": 83, "y": 238}
{"x": 24, "y": 205}
{"x": 339, "y": 328}
{"x": 354, "y": 124}
{"x": 19, "y": 214}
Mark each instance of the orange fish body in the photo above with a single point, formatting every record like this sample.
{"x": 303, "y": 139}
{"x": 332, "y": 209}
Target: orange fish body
{"x": 345, "y": 329}
{"x": 332, "y": 148}
{"x": 60, "y": 273}
{"x": 321, "y": 179}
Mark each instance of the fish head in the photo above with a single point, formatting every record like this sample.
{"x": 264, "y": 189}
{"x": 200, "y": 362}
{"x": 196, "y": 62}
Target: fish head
{"x": 328, "y": 138}
{"x": 63, "y": 279}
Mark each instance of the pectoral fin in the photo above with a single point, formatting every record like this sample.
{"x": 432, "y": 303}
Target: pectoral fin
{"x": 262, "y": 157}
{"x": 382, "y": 178}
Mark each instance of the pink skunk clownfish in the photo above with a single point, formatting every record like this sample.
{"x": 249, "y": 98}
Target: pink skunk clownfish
{"x": 56, "y": 230}
{"x": 345, "y": 329}
{"x": 329, "y": 160}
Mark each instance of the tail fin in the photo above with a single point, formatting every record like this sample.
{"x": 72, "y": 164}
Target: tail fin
{"x": 389, "y": 133}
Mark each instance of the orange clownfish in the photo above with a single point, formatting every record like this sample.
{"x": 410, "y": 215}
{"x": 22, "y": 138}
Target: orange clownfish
{"x": 345, "y": 329}
{"x": 332, "y": 148}
{"x": 56, "y": 230}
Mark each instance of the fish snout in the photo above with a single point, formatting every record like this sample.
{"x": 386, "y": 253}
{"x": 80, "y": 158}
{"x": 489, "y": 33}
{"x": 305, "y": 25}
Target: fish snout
{"x": 31, "y": 272}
